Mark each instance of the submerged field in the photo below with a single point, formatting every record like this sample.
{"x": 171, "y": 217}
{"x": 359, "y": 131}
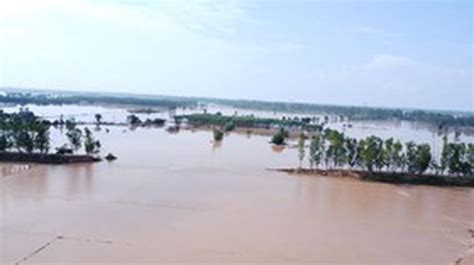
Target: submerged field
{"x": 179, "y": 198}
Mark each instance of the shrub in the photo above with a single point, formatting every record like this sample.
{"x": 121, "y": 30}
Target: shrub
{"x": 279, "y": 137}
{"x": 218, "y": 135}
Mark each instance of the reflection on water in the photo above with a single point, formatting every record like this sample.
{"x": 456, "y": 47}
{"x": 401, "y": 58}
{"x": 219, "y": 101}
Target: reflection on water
{"x": 7, "y": 169}
{"x": 183, "y": 198}
{"x": 216, "y": 145}
{"x": 277, "y": 148}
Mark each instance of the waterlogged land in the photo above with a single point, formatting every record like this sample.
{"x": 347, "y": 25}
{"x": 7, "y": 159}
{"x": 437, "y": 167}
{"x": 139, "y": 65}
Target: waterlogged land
{"x": 440, "y": 119}
{"x": 180, "y": 198}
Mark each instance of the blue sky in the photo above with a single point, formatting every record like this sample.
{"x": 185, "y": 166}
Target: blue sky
{"x": 375, "y": 53}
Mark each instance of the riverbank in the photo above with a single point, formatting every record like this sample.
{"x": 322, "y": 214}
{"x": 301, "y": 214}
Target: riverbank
{"x": 46, "y": 158}
{"x": 386, "y": 177}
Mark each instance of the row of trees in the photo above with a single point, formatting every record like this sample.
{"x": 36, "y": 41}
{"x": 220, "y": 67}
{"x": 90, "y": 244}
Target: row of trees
{"x": 229, "y": 122}
{"x": 456, "y": 158}
{"x": 24, "y": 136}
{"x": 25, "y": 133}
{"x": 332, "y": 149}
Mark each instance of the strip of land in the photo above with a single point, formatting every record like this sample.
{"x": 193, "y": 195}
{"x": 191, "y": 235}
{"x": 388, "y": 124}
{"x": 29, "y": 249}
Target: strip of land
{"x": 386, "y": 177}
{"x": 46, "y": 158}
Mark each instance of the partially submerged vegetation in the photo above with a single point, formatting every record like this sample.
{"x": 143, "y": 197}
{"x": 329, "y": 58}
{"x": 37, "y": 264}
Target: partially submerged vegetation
{"x": 218, "y": 135}
{"x": 279, "y": 137}
{"x": 149, "y": 104}
{"x": 229, "y": 122}
{"x": 24, "y": 133}
{"x": 25, "y": 137}
{"x": 110, "y": 157}
{"x": 135, "y": 121}
{"x": 388, "y": 160}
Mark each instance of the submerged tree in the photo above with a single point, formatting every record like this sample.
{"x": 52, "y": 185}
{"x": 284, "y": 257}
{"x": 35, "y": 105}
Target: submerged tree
{"x": 335, "y": 151}
{"x": 470, "y": 157}
{"x": 41, "y": 139}
{"x": 301, "y": 148}
{"x": 74, "y": 135}
{"x": 228, "y": 126}
{"x": 444, "y": 161}
{"x": 24, "y": 132}
{"x": 418, "y": 157}
{"x": 316, "y": 150}
{"x": 5, "y": 142}
{"x": 455, "y": 158}
{"x": 279, "y": 137}
{"x": 218, "y": 135}
{"x": 372, "y": 153}
{"x": 98, "y": 118}
{"x": 397, "y": 157}
{"x": 352, "y": 156}
{"x": 91, "y": 146}
{"x": 24, "y": 141}
{"x": 133, "y": 120}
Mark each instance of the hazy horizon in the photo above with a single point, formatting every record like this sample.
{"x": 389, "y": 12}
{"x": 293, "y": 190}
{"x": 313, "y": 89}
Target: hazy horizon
{"x": 377, "y": 54}
{"x": 141, "y": 95}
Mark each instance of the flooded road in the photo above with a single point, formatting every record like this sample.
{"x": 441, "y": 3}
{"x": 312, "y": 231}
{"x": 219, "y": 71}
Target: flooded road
{"x": 180, "y": 199}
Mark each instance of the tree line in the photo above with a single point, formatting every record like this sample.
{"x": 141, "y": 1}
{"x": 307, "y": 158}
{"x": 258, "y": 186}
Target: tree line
{"x": 23, "y": 98}
{"x": 229, "y": 122}
{"x": 331, "y": 149}
{"x": 24, "y": 132}
{"x": 437, "y": 118}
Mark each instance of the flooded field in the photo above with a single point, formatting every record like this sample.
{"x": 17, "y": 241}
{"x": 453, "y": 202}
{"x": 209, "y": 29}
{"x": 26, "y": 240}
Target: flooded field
{"x": 178, "y": 198}
{"x": 403, "y": 130}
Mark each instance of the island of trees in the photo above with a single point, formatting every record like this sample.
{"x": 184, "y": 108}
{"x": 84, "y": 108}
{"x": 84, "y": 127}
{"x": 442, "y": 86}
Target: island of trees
{"x": 230, "y": 122}
{"x": 389, "y": 160}
{"x": 25, "y": 137}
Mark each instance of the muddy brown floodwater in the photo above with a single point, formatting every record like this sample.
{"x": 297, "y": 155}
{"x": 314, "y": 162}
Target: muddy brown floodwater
{"x": 180, "y": 199}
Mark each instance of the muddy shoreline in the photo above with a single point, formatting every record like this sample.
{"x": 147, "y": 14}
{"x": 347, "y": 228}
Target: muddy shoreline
{"x": 385, "y": 177}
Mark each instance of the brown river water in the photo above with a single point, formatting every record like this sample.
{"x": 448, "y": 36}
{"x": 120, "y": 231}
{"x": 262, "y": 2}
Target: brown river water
{"x": 177, "y": 198}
